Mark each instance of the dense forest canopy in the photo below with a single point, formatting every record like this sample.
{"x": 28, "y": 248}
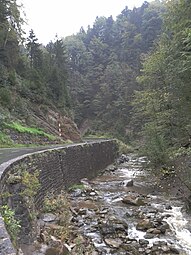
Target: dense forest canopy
{"x": 128, "y": 76}
{"x": 104, "y": 62}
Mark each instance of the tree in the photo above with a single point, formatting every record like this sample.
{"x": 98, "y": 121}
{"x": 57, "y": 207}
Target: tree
{"x": 34, "y": 51}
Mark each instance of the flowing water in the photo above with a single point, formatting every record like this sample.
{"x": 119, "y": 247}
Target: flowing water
{"x": 122, "y": 212}
{"x": 169, "y": 232}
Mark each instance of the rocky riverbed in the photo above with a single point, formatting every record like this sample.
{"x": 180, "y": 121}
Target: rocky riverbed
{"x": 122, "y": 212}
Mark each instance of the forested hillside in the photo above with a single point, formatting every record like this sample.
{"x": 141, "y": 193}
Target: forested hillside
{"x": 33, "y": 80}
{"x": 163, "y": 104}
{"x": 104, "y": 62}
{"x": 129, "y": 77}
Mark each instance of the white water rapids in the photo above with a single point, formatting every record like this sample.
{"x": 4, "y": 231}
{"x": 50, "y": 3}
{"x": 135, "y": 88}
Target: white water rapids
{"x": 176, "y": 219}
{"x": 178, "y": 224}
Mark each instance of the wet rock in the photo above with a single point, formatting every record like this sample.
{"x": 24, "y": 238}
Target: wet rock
{"x": 143, "y": 242}
{"x": 122, "y": 159}
{"x": 132, "y": 200}
{"x": 128, "y": 183}
{"x": 106, "y": 229}
{"x": 168, "y": 207}
{"x": 163, "y": 228}
{"x": 154, "y": 231}
{"x": 159, "y": 243}
{"x": 174, "y": 250}
{"x": 144, "y": 225}
{"x": 149, "y": 236}
{"x": 120, "y": 227}
{"x": 111, "y": 168}
{"x": 115, "y": 243}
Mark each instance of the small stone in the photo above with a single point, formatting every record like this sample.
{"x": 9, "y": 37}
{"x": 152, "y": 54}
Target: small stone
{"x": 128, "y": 183}
{"x": 113, "y": 242}
{"x": 92, "y": 194}
{"x": 48, "y": 217}
{"x": 144, "y": 225}
{"x": 143, "y": 242}
{"x": 149, "y": 236}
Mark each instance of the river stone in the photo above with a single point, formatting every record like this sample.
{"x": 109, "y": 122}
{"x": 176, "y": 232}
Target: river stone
{"x": 163, "y": 228}
{"x": 154, "y": 231}
{"x": 49, "y": 217}
{"x": 149, "y": 236}
{"x": 159, "y": 243}
{"x": 140, "y": 201}
{"x": 115, "y": 243}
{"x": 122, "y": 159}
{"x": 130, "y": 200}
{"x": 143, "y": 242}
{"x": 174, "y": 250}
{"x": 128, "y": 183}
{"x": 144, "y": 225}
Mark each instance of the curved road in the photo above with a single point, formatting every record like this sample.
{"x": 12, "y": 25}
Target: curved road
{"x": 7, "y": 154}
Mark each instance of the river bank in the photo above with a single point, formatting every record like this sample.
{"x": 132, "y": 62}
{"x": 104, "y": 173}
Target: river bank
{"x": 123, "y": 212}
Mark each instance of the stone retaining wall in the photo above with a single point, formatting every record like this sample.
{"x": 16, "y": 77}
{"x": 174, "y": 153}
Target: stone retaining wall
{"x": 59, "y": 169}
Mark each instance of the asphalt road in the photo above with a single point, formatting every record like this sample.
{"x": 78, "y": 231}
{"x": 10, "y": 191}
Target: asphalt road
{"x": 7, "y": 154}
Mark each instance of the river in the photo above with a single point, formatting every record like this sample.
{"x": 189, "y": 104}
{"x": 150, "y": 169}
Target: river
{"x": 126, "y": 214}
{"x": 123, "y": 212}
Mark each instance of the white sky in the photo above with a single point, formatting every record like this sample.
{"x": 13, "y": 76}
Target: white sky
{"x": 65, "y": 17}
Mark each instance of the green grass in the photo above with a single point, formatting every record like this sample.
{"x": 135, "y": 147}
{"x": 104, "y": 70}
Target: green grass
{"x": 30, "y": 130}
{"x": 76, "y": 186}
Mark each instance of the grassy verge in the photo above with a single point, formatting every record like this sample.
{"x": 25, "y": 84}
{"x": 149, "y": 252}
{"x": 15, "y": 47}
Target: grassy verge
{"x": 30, "y": 130}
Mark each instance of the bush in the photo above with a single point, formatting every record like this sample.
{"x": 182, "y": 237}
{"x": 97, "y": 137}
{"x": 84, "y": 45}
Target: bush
{"x": 5, "y": 98}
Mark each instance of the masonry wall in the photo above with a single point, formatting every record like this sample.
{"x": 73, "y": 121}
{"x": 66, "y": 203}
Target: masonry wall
{"x": 59, "y": 169}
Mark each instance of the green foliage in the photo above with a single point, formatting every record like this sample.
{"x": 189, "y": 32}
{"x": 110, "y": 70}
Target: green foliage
{"x": 31, "y": 184}
{"x": 162, "y": 106}
{"x": 59, "y": 204}
{"x": 5, "y": 97}
{"x": 103, "y": 63}
{"x": 34, "y": 131}
{"x": 5, "y": 141}
{"x": 12, "y": 225}
{"x": 124, "y": 148}
{"x": 76, "y": 186}
{"x": 56, "y": 203}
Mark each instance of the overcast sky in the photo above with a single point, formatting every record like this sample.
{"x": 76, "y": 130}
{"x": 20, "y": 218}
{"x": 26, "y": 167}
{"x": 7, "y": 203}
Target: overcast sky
{"x": 65, "y": 17}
